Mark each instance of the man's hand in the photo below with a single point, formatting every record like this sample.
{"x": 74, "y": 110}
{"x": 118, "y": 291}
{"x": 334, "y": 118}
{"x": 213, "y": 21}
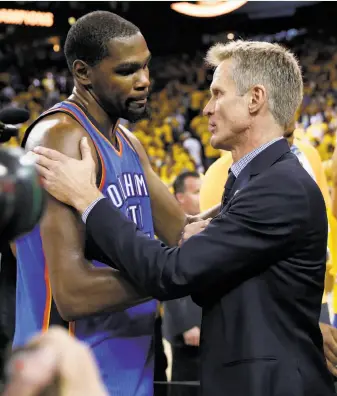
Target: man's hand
{"x": 54, "y": 363}
{"x": 193, "y": 229}
{"x": 192, "y": 336}
{"x": 208, "y": 214}
{"x": 69, "y": 180}
{"x": 329, "y": 334}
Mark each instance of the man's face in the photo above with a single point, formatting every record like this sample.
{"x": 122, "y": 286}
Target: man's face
{"x": 121, "y": 81}
{"x": 189, "y": 200}
{"x": 227, "y": 111}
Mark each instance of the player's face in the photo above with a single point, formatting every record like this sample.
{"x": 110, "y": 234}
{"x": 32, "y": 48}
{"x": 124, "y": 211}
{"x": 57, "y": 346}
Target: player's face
{"x": 228, "y": 112}
{"x": 121, "y": 81}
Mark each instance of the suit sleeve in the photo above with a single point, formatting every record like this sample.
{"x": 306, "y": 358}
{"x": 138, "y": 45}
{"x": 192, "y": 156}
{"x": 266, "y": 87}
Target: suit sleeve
{"x": 263, "y": 223}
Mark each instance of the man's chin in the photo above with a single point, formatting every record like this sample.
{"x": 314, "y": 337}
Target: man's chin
{"x": 218, "y": 144}
{"x": 214, "y": 142}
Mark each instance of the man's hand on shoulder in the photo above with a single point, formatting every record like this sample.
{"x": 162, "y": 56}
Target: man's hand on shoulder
{"x": 67, "y": 179}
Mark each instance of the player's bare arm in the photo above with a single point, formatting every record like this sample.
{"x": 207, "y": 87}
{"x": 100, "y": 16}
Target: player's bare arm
{"x": 78, "y": 287}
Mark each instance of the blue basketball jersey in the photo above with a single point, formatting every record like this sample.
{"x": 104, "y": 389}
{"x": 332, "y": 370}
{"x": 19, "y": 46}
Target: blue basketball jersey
{"x": 120, "y": 341}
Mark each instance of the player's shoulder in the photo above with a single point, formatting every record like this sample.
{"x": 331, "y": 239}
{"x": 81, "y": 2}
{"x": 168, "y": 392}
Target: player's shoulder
{"x": 55, "y": 130}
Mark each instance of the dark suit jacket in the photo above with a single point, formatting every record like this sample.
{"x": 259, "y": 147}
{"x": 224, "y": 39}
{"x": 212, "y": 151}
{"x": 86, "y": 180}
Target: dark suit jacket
{"x": 257, "y": 271}
{"x": 180, "y": 315}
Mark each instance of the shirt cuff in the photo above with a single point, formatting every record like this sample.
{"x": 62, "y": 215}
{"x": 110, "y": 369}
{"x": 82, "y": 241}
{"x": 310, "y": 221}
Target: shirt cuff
{"x": 324, "y": 316}
{"x": 86, "y": 213}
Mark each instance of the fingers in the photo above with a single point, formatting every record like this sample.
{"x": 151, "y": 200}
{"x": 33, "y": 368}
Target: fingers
{"x": 50, "y": 154}
{"x": 44, "y": 172}
{"x": 77, "y": 366}
{"x": 333, "y": 331}
{"x": 192, "y": 340}
{"x": 44, "y": 161}
{"x": 192, "y": 336}
{"x": 85, "y": 149}
{"x": 51, "y": 360}
{"x": 330, "y": 356}
{"x": 193, "y": 229}
{"x": 332, "y": 368}
{"x": 31, "y": 371}
{"x": 332, "y": 346}
{"x": 198, "y": 225}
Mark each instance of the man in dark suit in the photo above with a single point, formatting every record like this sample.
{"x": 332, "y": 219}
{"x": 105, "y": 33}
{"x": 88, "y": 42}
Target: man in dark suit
{"x": 258, "y": 269}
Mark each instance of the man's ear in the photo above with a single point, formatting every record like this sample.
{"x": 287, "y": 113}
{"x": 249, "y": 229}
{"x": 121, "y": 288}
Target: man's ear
{"x": 258, "y": 98}
{"x": 180, "y": 197}
{"x": 82, "y": 72}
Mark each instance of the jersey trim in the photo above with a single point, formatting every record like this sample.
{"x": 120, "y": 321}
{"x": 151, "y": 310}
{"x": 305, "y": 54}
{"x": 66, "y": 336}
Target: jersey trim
{"x": 122, "y": 130}
{"x": 119, "y": 151}
{"x": 47, "y": 307}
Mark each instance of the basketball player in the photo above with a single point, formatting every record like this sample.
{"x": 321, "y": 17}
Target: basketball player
{"x": 61, "y": 278}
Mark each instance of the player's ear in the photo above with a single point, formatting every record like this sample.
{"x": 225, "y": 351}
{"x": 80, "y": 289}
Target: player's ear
{"x": 82, "y": 72}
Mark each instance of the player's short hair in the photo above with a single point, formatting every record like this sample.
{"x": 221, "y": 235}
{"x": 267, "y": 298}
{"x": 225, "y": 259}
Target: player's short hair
{"x": 87, "y": 39}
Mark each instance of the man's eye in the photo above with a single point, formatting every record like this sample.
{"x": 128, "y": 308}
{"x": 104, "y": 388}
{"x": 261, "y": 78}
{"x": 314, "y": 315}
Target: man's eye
{"x": 125, "y": 72}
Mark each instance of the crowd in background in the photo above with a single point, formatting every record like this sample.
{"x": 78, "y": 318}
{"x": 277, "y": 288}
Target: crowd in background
{"x": 176, "y": 135}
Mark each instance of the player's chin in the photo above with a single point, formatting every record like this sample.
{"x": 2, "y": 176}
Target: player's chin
{"x": 134, "y": 115}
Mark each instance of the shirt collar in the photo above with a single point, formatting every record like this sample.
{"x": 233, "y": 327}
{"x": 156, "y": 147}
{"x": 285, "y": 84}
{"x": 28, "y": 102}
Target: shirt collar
{"x": 238, "y": 166}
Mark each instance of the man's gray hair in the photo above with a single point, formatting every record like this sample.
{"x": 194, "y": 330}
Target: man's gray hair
{"x": 270, "y": 65}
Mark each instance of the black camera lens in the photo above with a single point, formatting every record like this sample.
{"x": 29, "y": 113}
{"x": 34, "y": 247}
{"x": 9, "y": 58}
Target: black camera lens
{"x": 22, "y": 198}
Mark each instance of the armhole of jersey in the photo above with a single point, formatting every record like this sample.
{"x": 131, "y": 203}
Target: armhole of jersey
{"x": 29, "y": 129}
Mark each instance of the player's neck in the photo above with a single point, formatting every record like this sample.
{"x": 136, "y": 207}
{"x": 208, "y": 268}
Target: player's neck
{"x": 105, "y": 123}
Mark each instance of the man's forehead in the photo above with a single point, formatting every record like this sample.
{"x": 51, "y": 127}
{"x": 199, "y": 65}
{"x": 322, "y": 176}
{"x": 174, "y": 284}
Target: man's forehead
{"x": 222, "y": 69}
{"x": 133, "y": 47}
{"x": 192, "y": 182}
{"x": 217, "y": 78}
{"x": 221, "y": 73}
